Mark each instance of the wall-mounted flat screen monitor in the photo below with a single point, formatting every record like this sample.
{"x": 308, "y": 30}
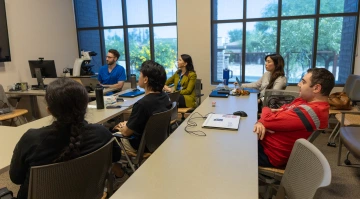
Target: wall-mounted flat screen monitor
{"x": 4, "y": 35}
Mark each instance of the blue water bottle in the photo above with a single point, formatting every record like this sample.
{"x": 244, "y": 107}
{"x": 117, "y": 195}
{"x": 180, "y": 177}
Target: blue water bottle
{"x": 227, "y": 74}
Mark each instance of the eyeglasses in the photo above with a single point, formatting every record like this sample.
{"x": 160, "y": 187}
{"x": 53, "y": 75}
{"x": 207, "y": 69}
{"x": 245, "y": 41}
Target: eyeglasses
{"x": 110, "y": 57}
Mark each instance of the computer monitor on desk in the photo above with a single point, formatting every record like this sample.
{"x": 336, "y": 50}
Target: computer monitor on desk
{"x": 40, "y": 69}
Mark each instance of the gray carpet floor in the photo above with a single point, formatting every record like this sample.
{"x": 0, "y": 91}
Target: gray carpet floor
{"x": 345, "y": 181}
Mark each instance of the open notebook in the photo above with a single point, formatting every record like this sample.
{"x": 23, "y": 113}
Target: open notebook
{"x": 222, "y": 121}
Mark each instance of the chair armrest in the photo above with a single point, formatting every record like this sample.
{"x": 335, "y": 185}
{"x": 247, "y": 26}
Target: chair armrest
{"x": 343, "y": 112}
{"x": 117, "y": 135}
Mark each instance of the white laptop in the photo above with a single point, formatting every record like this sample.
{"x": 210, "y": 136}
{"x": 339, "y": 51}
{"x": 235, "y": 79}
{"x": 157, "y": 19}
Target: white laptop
{"x": 222, "y": 121}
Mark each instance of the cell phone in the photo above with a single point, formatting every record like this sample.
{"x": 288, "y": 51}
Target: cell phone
{"x": 113, "y": 106}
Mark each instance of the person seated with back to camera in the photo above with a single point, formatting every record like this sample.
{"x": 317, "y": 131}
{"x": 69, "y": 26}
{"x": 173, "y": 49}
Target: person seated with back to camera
{"x": 68, "y": 137}
{"x": 184, "y": 80}
{"x": 152, "y": 79}
{"x": 112, "y": 75}
{"x": 278, "y": 129}
{"x": 274, "y": 78}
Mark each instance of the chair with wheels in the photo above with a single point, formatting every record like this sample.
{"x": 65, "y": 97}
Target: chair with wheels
{"x": 83, "y": 177}
{"x": 306, "y": 171}
{"x": 174, "y": 97}
{"x": 272, "y": 175}
{"x": 277, "y": 98}
{"x": 7, "y": 112}
{"x": 155, "y": 133}
{"x": 349, "y": 135}
{"x": 350, "y": 138}
{"x": 351, "y": 88}
{"x": 198, "y": 88}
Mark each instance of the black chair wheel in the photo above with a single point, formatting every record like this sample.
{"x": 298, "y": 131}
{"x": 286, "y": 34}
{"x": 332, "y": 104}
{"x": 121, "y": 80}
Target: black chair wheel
{"x": 332, "y": 144}
{"x": 347, "y": 162}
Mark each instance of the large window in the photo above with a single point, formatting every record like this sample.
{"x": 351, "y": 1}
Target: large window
{"x": 307, "y": 33}
{"x": 139, "y": 29}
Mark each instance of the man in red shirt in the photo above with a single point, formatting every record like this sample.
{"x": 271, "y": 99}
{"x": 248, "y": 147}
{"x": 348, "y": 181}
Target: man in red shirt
{"x": 278, "y": 129}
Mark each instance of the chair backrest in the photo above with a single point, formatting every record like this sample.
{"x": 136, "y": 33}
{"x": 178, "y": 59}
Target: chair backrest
{"x": 354, "y": 94}
{"x": 174, "y": 97}
{"x": 350, "y": 83}
{"x": 198, "y": 88}
{"x": 306, "y": 171}
{"x": 155, "y": 133}
{"x": 276, "y": 98}
{"x": 83, "y": 177}
{"x": 3, "y": 97}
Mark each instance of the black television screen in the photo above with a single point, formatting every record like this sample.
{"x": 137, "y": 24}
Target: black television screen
{"x": 4, "y": 35}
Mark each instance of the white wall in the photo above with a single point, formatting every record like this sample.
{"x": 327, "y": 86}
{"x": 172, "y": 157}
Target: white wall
{"x": 193, "y": 19}
{"x": 38, "y": 28}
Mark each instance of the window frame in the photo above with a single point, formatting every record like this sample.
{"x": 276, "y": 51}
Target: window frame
{"x": 101, "y": 28}
{"x": 317, "y": 16}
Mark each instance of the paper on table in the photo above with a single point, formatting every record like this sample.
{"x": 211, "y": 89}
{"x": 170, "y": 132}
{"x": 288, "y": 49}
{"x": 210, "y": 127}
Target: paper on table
{"x": 91, "y": 106}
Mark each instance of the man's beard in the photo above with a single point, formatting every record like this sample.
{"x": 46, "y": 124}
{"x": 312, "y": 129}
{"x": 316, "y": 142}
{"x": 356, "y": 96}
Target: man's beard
{"x": 110, "y": 62}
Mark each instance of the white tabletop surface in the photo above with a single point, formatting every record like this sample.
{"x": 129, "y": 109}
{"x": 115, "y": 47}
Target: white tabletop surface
{"x": 223, "y": 164}
{"x": 42, "y": 92}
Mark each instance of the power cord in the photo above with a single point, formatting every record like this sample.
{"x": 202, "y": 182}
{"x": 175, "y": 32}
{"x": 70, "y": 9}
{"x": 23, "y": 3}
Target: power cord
{"x": 194, "y": 124}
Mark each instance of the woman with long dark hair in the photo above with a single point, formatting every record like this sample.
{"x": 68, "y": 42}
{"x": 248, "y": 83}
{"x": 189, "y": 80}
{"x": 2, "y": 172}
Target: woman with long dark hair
{"x": 68, "y": 137}
{"x": 274, "y": 78}
{"x": 184, "y": 81}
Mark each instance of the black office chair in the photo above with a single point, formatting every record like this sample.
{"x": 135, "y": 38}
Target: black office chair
{"x": 174, "y": 97}
{"x": 198, "y": 95}
{"x": 83, "y": 177}
{"x": 10, "y": 112}
{"x": 155, "y": 133}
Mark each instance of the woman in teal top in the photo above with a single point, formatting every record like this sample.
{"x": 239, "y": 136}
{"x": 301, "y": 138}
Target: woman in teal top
{"x": 184, "y": 81}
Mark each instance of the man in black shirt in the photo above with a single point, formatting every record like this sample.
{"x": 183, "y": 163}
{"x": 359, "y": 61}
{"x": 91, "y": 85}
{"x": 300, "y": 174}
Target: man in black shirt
{"x": 152, "y": 79}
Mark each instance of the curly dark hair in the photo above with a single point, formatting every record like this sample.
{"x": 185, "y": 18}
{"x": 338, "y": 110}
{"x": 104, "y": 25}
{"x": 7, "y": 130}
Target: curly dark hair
{"x": 279, "y": 68}
{"x": 155, "y": 73}
{"x": 323, "y": 77}
{"x": 67, "y": 101}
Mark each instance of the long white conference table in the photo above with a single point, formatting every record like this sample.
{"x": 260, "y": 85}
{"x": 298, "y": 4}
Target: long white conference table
{"x": 11, "y": 135}
{"x": 33, "y": 94}
{"x": 222, "y": 164}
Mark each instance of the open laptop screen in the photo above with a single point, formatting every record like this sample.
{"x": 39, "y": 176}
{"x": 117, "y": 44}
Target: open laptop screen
{"x": 238, "y": 81}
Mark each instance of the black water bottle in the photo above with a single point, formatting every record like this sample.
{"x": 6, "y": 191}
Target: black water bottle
{"x": 99, "y": 97}
{"x": 133, "y": 81}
